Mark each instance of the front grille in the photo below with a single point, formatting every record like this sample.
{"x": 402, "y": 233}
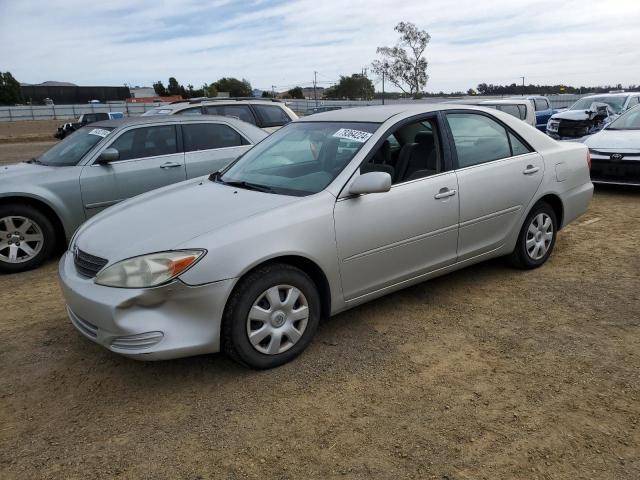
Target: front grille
{"x": 86, "y": 264}
{"x": 607, "y": 171}
{"x": 574, "y": 128}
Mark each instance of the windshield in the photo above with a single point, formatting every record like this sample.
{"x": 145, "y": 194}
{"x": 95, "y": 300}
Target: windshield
{"x": 616, "y": 103}
{"x": 69, "y": 152}
{"x": 628, "y": 121}
{"x": 300, "y": 158}
{"x": 156, "y": 111}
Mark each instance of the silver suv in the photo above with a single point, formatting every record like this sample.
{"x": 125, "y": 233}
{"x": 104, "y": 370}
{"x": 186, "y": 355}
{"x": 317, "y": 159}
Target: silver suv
{"x": 266, "y": 114}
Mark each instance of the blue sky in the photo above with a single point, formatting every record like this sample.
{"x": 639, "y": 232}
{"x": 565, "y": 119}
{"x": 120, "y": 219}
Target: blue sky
{"x": 282, "y": 42}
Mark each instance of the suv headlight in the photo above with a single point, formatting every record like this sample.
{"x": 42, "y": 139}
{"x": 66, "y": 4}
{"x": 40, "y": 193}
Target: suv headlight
{"x": 149, "y": 270}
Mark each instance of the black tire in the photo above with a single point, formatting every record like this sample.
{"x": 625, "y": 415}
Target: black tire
{"x": 520, "y": 257}
{"x": 44, "y": 225}
{"x": 234, "y": 337}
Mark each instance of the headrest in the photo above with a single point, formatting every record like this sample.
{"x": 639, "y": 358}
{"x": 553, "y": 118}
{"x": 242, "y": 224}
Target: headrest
{"x": 424, "y": 138}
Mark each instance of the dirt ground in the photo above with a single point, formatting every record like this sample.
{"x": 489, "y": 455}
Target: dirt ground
{"x": 486, "y": 373}
{"x": 29, "y": 131}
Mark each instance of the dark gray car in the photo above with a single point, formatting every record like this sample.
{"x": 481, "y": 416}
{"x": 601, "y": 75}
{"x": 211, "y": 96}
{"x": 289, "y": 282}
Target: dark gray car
{"x": 45, "y": 199}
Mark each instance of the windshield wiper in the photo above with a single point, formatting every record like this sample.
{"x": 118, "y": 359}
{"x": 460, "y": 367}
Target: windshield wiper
{"x": 248, "y": 186}
{"x": 34, "y": 160}
{"x": 217, "y": 177}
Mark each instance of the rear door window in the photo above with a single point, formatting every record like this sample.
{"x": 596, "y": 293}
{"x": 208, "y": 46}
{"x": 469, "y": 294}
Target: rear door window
{"x": 540, "y": 104}
{"x": 241, "y": 112}
{"x": 272, "y": 116}
{"x": 190, "y": 111}
{"x": 478, "y": 139}
{"x": 146, "y": 142}
{"x": 207, "y": 136}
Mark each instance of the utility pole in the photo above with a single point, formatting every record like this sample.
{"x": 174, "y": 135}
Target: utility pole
{"x": 522, "y": 86}
{"x": 273, "y": 91}
{"x": 315, "y": 80}
{"x": 383, "y": 87}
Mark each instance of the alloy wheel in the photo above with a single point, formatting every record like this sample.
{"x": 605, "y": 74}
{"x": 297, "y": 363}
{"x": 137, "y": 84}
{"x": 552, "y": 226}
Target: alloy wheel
{"x": 21, "y": 239}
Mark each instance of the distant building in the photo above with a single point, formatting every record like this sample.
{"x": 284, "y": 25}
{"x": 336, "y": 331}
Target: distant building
{"x": 308, "y": 92}
{"x": 142, "y": 92}
{"x": 63, "y": 93}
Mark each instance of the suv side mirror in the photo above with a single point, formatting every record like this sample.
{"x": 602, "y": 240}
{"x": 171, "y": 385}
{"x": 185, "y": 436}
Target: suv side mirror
{"x": 371, "y": 182}
{"x": 108, "y": 155}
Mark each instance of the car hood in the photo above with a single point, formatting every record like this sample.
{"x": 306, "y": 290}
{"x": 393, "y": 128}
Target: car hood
{"x": 577, "y": 115}
{"x": 615, "y": 140}
{"x": 17, "y": 170}
{"x": 163, "y": 219}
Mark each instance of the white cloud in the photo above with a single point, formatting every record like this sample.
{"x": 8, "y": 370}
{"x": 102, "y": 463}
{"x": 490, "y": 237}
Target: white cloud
{"x": 282, "y": 43}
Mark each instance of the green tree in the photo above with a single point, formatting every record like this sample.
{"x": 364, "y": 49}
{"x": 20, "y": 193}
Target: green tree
{"x": 235, "y": 87}
{"x": 173, "y": 87}
{"x": 267, "y": 94}
{"x": 159, "y": 89}
{"x": 404, "y": 65}
{"x": 355, "y": 87}
{"x": 10, "y": 93}
{"x": 296, "y": 92}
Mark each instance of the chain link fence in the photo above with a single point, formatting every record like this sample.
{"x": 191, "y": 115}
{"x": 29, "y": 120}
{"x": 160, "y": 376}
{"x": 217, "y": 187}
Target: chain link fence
{"x": 302, "y": 107}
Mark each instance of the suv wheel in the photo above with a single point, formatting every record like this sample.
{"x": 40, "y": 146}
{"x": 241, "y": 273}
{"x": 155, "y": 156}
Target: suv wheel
{"x": 27, "y": 238}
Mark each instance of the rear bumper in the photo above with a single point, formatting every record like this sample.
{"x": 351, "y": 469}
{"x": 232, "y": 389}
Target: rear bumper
{"x": 171, "y": 321}
{"x": 576, "y": 202}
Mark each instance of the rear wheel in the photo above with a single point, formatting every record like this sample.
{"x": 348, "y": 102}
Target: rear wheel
{"x": 27, "y": 238}
{"x": 271, "y": 317}
{"x": 537, "y": 238}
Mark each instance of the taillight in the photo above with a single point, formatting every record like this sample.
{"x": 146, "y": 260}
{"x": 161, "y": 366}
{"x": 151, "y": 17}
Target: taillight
{"x": 589, "y": 159}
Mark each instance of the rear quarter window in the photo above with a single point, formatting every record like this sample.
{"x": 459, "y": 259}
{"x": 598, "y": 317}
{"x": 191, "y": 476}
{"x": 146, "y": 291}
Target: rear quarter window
{"x": 272, "y": 116}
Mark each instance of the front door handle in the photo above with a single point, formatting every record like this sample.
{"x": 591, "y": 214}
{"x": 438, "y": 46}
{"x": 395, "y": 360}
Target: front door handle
{"x": 444, "y": 193}
{"x": 170, "y": 165}
{"x": 530, "y": 170}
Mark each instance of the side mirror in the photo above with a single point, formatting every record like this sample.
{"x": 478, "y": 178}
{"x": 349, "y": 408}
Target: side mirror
{"x": 372, "y": 182}
{"x": 108, "y": 155}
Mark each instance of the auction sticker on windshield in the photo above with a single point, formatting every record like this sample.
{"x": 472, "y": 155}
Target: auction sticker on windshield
{"x": 100, "y": 132}
{"x": 355, "y": 135}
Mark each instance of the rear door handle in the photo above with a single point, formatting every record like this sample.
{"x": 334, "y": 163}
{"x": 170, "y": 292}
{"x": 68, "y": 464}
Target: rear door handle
{"x": 170, "y": 165}
{"x": 444, "y": 193}
{"x": 530, "y": 170}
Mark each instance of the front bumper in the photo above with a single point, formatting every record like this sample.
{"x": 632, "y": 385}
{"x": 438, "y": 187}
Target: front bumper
{"x": 170, "y": 321}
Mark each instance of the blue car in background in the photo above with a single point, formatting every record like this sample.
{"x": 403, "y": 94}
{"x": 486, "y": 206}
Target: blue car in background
{"x": 543, "y": 111}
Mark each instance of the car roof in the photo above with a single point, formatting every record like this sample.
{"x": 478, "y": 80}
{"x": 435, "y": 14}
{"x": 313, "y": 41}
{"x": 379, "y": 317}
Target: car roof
{"x": 169, "y": 119}
{"x": 229, "y": 101}
{"x": 618, "y": 94}
{"x": 382, "y": 113}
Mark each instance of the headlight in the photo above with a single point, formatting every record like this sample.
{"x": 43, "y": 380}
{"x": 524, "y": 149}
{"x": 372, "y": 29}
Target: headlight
{"x": 148, "y": 270}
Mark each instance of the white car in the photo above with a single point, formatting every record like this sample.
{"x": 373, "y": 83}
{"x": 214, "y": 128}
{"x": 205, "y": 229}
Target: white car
{"x": 615, "y": 151}
{"x": 268, "y": 115}
{"x": 590, "y": 114}
{"x": 520, "y": 108}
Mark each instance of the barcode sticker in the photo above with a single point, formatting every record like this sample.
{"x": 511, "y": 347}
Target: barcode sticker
{"x": 99, "y": 132}
{"x": 355, "y": 135}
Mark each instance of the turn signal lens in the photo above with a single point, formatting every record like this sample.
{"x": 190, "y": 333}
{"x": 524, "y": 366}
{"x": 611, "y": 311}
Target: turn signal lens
{"x": 148, "y": 270}
{"x": 589, "y": 159}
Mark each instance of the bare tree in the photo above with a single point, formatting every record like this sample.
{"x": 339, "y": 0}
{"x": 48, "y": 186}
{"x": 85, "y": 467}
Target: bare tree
{"x": 404, "y": 64}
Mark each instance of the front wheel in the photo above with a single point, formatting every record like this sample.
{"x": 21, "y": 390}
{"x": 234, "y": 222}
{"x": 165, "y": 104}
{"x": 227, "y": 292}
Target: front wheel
{"x": 537, "y": 238}
{"x": 271, "y": 316}
{"x": 27, "y": 238}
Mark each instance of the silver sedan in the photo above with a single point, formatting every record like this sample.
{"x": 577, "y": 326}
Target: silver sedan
{"x": 45, "y": 199}
{"x": 327, "y": 213}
